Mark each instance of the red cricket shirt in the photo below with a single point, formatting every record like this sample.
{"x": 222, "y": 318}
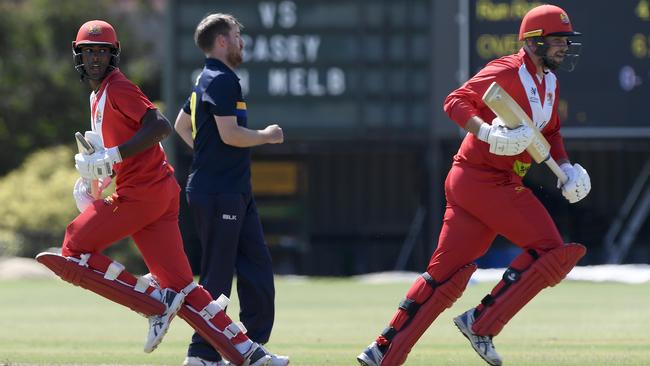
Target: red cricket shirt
{"x": 117, "y": 109}
{"x": 466, "y": 102}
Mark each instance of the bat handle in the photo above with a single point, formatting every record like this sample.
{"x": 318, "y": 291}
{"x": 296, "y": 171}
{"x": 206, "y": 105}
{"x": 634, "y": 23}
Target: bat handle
{"x": 94, "y": 189}
{"x": 556, "y": 170}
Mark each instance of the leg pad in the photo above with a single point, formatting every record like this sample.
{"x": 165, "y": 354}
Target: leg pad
{"x": 212, "y": 334}
{"x": 444, "y": 295}
{"x": 71, "y": 271}
{"x": 548, "y": 270}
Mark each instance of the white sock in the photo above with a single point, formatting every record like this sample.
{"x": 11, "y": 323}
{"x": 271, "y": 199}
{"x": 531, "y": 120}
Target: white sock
{"x": 156, "y": 294}
{"x": 244, "y": 347}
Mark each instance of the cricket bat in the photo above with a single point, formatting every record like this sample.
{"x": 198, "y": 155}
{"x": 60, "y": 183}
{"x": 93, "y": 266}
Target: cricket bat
{"x": 87, "y": 148}
{"x": 502, "y": 104}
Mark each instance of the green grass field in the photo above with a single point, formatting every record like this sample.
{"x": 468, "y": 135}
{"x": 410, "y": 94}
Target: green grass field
{"x": 328, "y": 322}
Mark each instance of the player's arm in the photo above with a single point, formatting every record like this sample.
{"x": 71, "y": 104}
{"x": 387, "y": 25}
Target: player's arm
{"x": 183, "y": 127}
{"x": 466, "y": 102}
{"x": 222, "y": 97}
{"x": 502, "y": 140}
{"x": 234, "y": 135}
{"x": 473, "y": 124}
{"x": 578, "y": 183}
{"x": 155, "y": 127}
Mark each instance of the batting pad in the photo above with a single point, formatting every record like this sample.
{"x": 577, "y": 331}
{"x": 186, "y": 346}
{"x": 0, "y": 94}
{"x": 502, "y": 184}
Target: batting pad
{"x": 549, "y": 270}
{"x": 442, "y": 298}
{"x": 73, "y": 271}
{"x": 221, "y": 340}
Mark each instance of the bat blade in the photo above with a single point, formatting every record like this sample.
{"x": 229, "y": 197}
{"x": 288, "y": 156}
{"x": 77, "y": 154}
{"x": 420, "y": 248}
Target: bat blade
{"x": 502, "y": 104}
{"x": 86, "y": 148}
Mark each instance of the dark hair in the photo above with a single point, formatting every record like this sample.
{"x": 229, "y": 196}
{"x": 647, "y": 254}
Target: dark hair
{"x": 212, "y": 26}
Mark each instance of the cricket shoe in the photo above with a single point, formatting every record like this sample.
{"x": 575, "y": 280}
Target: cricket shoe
{"x": 257, "y": 356}
{"x": 159, "y": 324}
{"x": 371, "y": 356}
{"x": 198, "y": 361}
{"x": 482, "y": 344}
{"x": 276, "y": 360}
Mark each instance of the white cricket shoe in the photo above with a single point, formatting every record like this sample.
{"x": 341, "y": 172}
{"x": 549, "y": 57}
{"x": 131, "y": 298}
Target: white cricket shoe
{"x": 198, "y": 361}
{"x": 257, "y": 356}
{"x": 159, "y": 324}
{"x": 482, "y": 344}
{"x": 276, "y": 360}
{"x": 371, "y": 356}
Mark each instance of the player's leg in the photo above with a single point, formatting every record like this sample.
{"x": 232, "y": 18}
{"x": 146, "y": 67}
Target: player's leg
{"x": 82, "y": 264}
{"x": 545, "y": 261}
{"x": 162, "y": 248}
{"x": 255, "y": 281}
{"x": 462, "y": 239}
{"x": 255, "y": 278}
{"x": 512, "y": 210}
{"x": 218, "y": 220}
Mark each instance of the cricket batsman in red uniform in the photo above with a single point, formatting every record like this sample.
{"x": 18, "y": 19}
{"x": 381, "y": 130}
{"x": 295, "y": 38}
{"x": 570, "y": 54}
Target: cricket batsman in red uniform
{"x": 126, "y": 133}
{"x": 486, "y": 197}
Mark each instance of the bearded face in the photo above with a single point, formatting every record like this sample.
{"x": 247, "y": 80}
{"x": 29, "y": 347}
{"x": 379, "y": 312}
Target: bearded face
{"x": 235, "y": 46}
{"x": 234, "y": 55}
{"x": 556, "y": 51}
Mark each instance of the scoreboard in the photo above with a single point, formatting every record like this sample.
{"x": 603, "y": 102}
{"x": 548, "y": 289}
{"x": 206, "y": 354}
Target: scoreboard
{"x": 610, "y": 86}
{"x": 328, "y": 69}
{"x": 365, "y": 69}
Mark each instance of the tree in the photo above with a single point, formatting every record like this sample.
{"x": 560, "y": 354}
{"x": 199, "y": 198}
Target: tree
{"x": 42, "y": 102}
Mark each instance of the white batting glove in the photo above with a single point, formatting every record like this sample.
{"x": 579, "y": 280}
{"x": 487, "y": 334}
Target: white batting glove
{"x": 578, "y": 183}
{"x": 99, "y": 164}
{"x": 505, "y": 141}
{"x": 81, "y": 192}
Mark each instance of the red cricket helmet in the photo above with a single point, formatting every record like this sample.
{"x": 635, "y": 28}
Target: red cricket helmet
{"x": 546, "y": 20}
{"x": 95, "y": 32}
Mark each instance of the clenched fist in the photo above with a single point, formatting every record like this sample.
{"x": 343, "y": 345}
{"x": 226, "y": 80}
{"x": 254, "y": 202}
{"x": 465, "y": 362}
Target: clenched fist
{"x": 578, "y": 183}
{"x": 274, "y": 134}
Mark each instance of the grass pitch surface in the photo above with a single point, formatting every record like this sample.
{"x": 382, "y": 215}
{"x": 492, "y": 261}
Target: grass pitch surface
{"x": 328, "y": 322}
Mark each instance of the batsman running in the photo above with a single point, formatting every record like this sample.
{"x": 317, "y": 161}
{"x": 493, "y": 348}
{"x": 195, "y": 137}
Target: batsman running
{"x": 126, "y": 133}
{"x": 486, "y": 197}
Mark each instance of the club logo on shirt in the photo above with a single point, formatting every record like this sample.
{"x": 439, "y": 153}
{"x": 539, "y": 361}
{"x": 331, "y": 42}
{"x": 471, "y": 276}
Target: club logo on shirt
{"x": 533, "y": 95}
{"x": 98, "y": 117}
{"x": 520, "y": 168}
{"x": 549, "y": 97}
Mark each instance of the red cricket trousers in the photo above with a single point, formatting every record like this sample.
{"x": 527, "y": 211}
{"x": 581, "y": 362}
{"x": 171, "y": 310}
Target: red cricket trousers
{"x": 152, "y": 222}
{"x": 482, "y": 203}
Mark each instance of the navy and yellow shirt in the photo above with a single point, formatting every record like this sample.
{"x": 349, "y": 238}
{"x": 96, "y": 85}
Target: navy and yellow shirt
{"x": 217, "y": 167}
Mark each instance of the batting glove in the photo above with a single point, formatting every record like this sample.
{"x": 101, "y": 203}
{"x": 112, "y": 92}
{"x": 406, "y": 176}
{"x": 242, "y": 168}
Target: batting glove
{"x": 578, "y": 183}
{"x": 505, "y": 141}
{"x": 99, "y": 164}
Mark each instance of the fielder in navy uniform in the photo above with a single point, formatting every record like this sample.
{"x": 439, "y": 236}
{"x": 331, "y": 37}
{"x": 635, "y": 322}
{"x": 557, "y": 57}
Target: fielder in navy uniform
{"x": 213, "y": 122}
